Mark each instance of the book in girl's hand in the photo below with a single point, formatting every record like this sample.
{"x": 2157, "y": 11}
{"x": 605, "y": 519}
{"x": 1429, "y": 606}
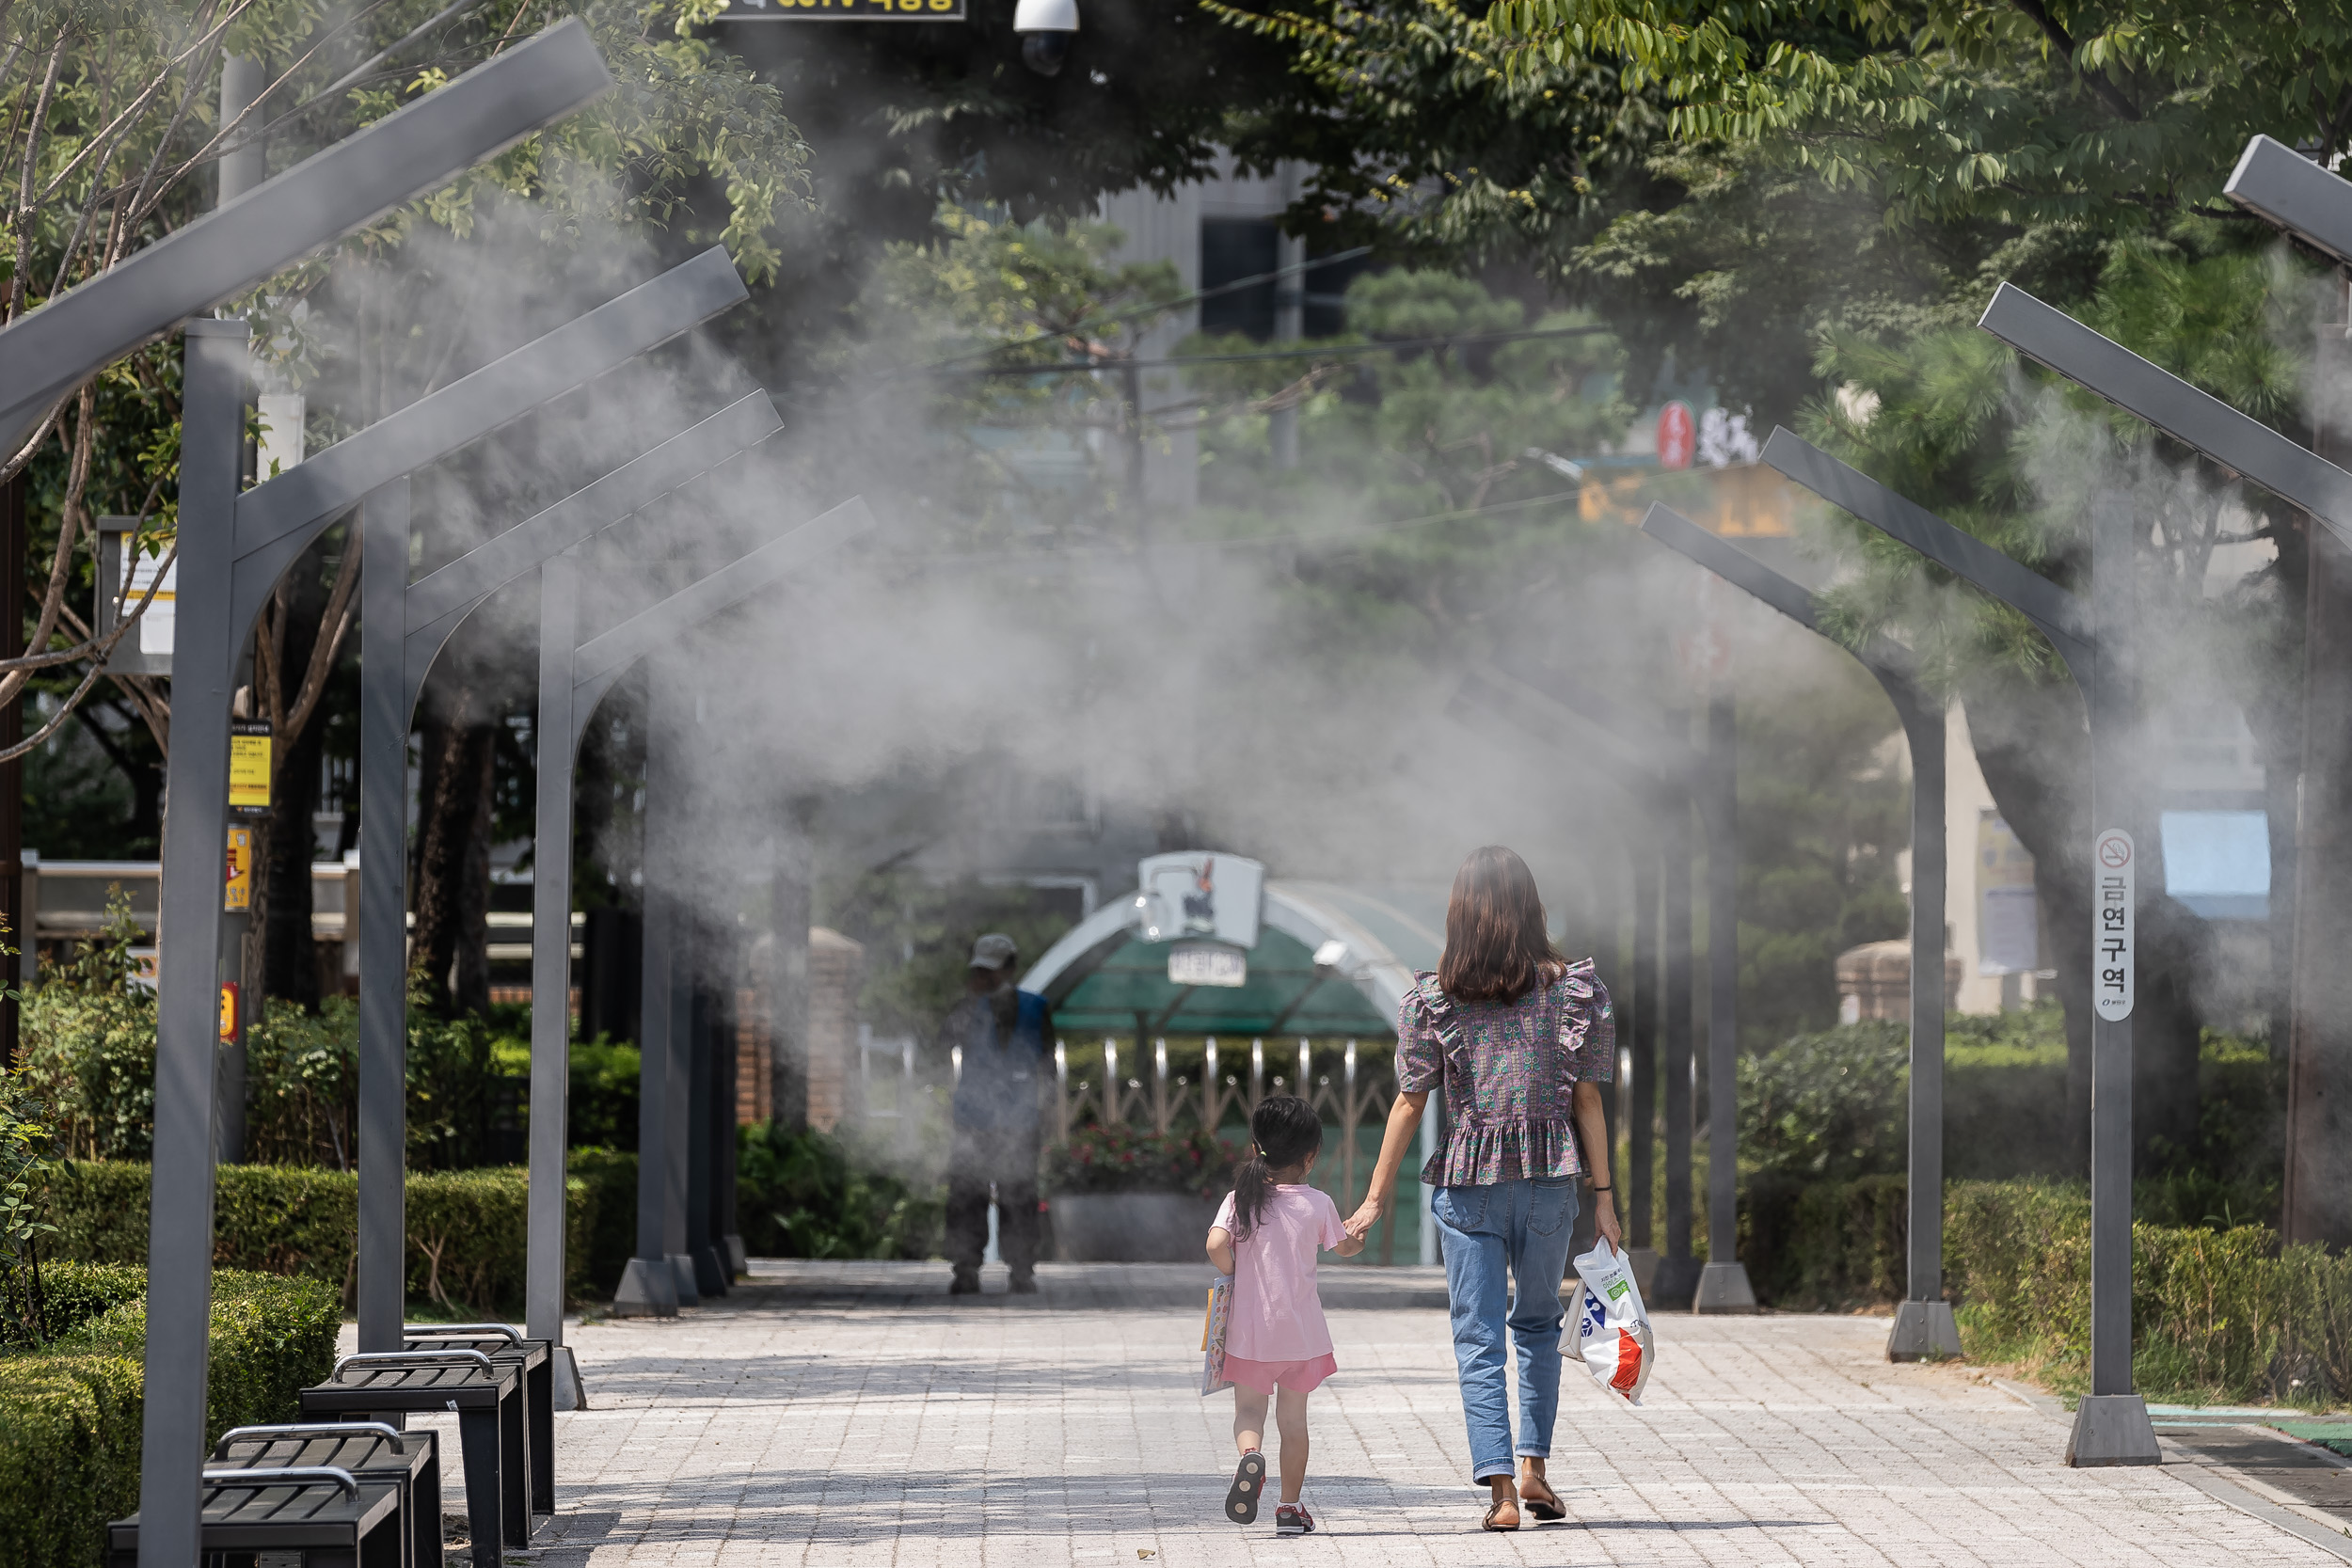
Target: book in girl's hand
{"x": 1213, "y": 1336}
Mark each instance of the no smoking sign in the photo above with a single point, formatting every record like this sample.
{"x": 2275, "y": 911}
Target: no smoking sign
{"x": 2113, "y": 896}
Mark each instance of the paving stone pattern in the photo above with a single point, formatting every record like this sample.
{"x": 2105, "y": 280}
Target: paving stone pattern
{"x": 853, "y": 1414}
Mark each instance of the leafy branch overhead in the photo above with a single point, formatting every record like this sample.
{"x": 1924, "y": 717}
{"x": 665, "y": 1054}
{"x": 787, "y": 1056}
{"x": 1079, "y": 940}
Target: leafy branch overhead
{"x": 113, "y": 136}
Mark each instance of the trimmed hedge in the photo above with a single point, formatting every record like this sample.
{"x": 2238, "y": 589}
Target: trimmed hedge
{"x": 71, "y": 1413}
{"x": 2217, "y": 1313}
{"x": 466, "y": 1229}
{"x": 71, "y": 1294}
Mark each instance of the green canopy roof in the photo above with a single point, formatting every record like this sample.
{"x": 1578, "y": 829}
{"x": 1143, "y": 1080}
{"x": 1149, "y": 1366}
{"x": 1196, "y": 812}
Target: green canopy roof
{"x": 1103, "y": 978}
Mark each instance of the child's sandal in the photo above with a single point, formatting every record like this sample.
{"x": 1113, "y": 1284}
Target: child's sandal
{"x": 1241, "y": 1498}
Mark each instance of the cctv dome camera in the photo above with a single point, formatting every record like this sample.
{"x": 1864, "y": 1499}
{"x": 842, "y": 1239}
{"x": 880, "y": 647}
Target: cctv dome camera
{"x": 1046, "y": 28}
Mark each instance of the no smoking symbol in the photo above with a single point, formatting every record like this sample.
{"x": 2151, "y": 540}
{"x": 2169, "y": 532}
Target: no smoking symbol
{"x": 2114, "y": 853}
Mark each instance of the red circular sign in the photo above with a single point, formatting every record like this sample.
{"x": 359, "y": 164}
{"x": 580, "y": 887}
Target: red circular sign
{"x": 2114, "y": 853}
{"x": 1678, "y": 435}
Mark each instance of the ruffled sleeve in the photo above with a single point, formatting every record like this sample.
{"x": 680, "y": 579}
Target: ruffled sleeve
{"x": 1588, "y": 1027}
{"x": 1420, "y": 1054}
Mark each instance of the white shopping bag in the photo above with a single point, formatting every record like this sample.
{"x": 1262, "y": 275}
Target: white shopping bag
{"x": 1612, "y": 1329}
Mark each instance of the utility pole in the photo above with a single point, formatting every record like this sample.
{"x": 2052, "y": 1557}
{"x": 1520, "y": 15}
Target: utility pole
{"x": 1290, "y": 325}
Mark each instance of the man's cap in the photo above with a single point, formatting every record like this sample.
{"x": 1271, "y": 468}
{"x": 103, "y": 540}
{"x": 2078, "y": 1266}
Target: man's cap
{"x": 994, "y": 951}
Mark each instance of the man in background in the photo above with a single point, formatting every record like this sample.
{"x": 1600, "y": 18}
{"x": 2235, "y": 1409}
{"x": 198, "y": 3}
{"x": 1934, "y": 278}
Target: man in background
{"x": 1001, "y": 1032}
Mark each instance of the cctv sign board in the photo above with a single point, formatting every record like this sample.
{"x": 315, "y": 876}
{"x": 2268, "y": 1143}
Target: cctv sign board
{"x": 1199, "y": 894}
{"x": 843, "y": 11}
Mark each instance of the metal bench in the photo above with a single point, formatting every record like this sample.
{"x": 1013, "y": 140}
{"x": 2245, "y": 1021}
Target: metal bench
{"x": 502, "y": 1342}
{"x": 371, "y": 1450}
{"x": 329, "y": 1516}
{"x": 492, "y": 1436}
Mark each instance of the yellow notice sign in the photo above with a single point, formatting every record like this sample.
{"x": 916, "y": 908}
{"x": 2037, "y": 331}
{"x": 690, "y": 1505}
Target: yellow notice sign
{"x": 249, "y": 767}
{"x": 240, "y": 893}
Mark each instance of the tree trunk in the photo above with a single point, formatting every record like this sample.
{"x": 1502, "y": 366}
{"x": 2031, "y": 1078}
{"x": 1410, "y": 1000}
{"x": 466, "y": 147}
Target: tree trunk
{"x": 451, "y": 878}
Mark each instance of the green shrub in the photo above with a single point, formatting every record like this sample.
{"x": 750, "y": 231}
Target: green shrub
{"x": 301, "y": 1084}
{"x": 68, "y": 1454}
{"x": 2219, "y": 1313}
{"x": 71, "y": 1413}
{"x": 89, "y": 1042}
{"x": 602, "y": 1109}
{"x": 71, "y": 1294}
{"x": 1833, "y": 1244}
{"x": 90, "y": 1052}
{"x": 466, "y": 1229}
{"x": 1827, "y": 1106}
{"x": 800, "y": 1195}
{"x": 1123, "y": 1159}
{"x": 602, "y": 1212}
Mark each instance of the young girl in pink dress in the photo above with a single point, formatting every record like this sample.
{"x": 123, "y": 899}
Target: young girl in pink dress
{"x": 1276, "y": 1342}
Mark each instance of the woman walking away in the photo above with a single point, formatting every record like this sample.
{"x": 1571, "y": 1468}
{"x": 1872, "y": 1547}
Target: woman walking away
{"x": 1276, "y": 1342}
{"x": 1522, "y": 1041}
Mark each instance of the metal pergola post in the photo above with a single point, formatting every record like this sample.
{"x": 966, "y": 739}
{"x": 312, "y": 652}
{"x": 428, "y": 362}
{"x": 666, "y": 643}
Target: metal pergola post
{"x": 2310, "y": 201}
{"x": 188, "y": 924}
{"x": 1666, "y": 767}
{"x": 1641, "y": 1090}
{"x": 229, "y": 559}
{"x": 1707, "y": 778}
{"x": 574, "y": 675}
{"x": 2111, "y": 1424}
{"x": 375, "y": 463}
{"x": 665, "y": 1031}
{"x": 1923, "y": 1328}
{"x": 404, "y": 627}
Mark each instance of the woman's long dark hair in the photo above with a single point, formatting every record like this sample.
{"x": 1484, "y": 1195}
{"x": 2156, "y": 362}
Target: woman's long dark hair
{"x": 1496, "y": 950}
{"x": 1284, "y": 1129}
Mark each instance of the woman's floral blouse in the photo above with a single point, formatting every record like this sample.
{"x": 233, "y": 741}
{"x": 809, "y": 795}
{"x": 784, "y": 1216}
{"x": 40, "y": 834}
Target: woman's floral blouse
{"x": 1510, "y": 1071}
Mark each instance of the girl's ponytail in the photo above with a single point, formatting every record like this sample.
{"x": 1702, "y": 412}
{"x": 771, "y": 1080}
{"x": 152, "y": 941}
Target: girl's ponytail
{"x": 1283, "y": 1131}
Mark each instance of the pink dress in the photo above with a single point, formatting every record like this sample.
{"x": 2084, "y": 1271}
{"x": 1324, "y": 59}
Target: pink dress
{"x": 1276, "y": 1333}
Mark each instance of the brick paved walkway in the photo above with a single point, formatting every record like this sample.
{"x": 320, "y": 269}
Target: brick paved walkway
{"x": 850, "y": 1414}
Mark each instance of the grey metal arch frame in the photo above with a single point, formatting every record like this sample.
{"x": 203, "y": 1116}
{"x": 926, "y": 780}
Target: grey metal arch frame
{"x": 403, "y": 626}
{"x": 481, "y": 114}
{"x": 276, "y": 521}
{"x": 1712, "y": 779}
{"x": 1923, "y": 1328}
{"x": 575, "y": 673}
{"x": 309, "y": 205}
{"x": 1661, "y": 971}
{"x": 2111, "y": 1424}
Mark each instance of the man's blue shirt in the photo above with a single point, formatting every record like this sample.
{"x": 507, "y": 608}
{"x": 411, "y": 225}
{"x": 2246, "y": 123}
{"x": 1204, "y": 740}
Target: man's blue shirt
{"x": 1002, "y": 1076}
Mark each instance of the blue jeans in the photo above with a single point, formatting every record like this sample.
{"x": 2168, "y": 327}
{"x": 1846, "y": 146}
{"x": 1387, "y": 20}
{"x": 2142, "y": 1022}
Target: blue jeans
{"x": 1515, "y": 1230}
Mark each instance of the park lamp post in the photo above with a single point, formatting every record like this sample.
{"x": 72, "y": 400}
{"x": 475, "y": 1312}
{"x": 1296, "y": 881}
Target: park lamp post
{"x": 229, "y": 554}
{"x": 1721, "y": 1286}
{"x": 1923, "y": 1328}
{"x": 411, "y": 622}
{"x": 2111, "y": 1424}
{"x": 574, "y": 675}
{"x": 1662, "y": 983}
